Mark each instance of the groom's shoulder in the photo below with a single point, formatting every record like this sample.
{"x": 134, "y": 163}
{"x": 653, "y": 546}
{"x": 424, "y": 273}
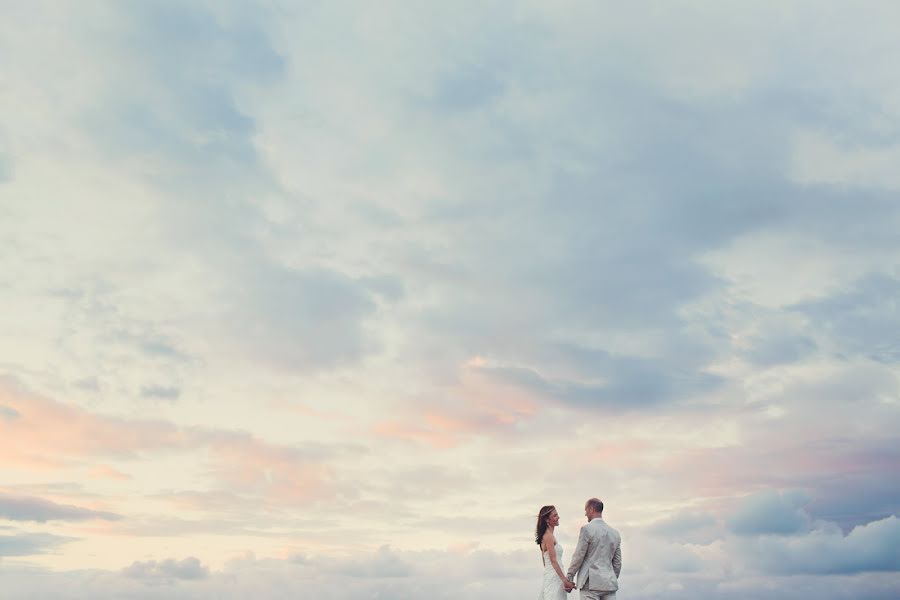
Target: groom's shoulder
{"x": 603, "y": 524}
{"x": 613, "y": 530}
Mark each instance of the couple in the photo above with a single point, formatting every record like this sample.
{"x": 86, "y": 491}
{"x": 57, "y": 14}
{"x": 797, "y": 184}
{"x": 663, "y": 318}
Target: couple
{"x": 597, "y": 558}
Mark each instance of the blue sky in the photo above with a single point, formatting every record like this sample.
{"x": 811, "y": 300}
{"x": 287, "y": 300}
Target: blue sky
{"x": 327, "y": 299}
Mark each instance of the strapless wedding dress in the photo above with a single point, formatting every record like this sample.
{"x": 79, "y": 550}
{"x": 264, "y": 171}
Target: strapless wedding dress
{"x": 552, "y": 588}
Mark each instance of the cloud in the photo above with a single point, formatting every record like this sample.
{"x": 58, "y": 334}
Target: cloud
{"x": 771, "y": 512}
{"x": 671, "y": 558}
{"x": 301, "y": 319}
{"x": 163, "y": 128}
{"x": 688, "y": 527}
{"x": 55, "y": 435}
{"x": 52, "y": 434}
{"x": 167, "y": 571}
{"x": 384, "y": 564}
{"x": 380, "y": 573}
{"x": 876, "y": 586}
{"x": 861, "y": 319}
{"x": 89, "y": 384}
{"x": 27, "y": 508}
{"x": 776, "y": 349}
{"x": 819, "y": 466}
{"x": 822, "y": 158}
{"x": 28, "y": 544}
{"x": 874, "y": 495}
{"x": 8, "y": 413}
{"x": 280, "y": 474}
{"x": 513, "y": 256}
{"x": 871, "y": 547}
{"x": 630, "y": 384}
{"x": 392, "y": 573}
{"x": 194, "y": 111}
{"x": 677, "y": 571}
{"x": 6, "y": 164}
{"x": 160, "y": 392}
{"x": 156, "y": 347}
{"x": 107, "y": 472}
{"x": 471, "y": 407}
{"x": 429, "y": 483}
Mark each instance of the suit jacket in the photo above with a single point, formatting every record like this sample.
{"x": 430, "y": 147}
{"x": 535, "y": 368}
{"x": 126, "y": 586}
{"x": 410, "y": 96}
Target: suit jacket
{"x": 597, "y": 558}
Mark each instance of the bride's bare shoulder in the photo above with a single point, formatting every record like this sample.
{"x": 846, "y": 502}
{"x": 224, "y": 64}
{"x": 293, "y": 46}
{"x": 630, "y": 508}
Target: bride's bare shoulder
{"x": 548, "y": 541}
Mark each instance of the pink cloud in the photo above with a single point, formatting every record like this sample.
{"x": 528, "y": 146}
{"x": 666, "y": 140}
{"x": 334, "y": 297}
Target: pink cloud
{"x": 107, "y": 472}
{"x": 763, "y": 462}
{"x": 51, "y": 435}
{"x": 47, "y": 434}
{"x": 446, "y": 429}
{"x": 476, "y": 406}
{"x": 282, "y": 474}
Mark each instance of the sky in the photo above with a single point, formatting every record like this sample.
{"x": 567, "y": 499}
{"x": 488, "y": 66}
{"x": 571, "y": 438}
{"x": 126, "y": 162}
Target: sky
{"x": 326, "y": 299}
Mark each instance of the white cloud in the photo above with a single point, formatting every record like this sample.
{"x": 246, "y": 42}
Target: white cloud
{"x": 874, "y": 546}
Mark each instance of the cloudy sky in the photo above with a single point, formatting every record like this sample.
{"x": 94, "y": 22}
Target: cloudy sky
{"x": 325, "y": 299}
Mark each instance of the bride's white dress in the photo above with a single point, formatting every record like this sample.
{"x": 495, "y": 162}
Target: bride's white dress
{"x": 552, "y": 588}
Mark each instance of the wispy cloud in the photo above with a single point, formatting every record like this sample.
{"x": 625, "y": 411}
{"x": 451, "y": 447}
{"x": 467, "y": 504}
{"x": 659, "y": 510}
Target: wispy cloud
{"x": 29, "y": 544}
{"x": 26, "y": 508}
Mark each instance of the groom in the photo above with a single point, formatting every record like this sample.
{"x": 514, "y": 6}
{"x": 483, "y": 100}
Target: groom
{"x": 598, "y": 556}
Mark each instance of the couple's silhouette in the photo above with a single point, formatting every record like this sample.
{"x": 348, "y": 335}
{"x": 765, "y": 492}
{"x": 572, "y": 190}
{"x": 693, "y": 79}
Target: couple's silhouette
{"x": 597, "y": 558}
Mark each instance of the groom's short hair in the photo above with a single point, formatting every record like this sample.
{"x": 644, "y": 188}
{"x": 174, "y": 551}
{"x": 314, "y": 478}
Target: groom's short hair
{"x": 596, "y": 504}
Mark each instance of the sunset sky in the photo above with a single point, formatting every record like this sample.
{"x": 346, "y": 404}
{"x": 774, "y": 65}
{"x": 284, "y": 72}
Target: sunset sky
{"x": 325, "y": 299}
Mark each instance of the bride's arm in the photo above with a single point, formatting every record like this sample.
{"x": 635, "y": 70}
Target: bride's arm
{"x": 550, "y": 547}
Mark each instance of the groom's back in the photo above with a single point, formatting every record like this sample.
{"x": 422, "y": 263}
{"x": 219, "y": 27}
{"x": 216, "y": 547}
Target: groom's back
{"x": 604, "y": 535}
{"x": 603, "y": 556}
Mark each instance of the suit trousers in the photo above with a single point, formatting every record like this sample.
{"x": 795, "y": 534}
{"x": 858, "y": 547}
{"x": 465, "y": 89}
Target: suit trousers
{"x": 587, "y": 594}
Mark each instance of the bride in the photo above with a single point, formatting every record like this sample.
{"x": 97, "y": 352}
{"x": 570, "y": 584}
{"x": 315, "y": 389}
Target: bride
{"x": 555, "y": 585}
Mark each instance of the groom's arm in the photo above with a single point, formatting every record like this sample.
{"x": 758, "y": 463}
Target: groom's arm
{"x": 578, "y": 555}
{"x": 617, "y": 559}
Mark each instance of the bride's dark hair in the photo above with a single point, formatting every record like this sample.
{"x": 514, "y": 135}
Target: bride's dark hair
{"x": 542, "y": 526}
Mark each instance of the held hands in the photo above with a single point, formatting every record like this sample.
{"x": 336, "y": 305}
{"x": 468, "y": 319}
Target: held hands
{"x": 569, "y": 585}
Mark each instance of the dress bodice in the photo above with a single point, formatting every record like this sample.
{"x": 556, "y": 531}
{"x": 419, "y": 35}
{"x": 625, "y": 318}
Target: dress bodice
{"x": 551, "y": 586}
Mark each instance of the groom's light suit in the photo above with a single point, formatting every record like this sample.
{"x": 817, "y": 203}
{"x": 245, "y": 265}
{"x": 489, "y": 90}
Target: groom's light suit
{"x": 597, "y": 560}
